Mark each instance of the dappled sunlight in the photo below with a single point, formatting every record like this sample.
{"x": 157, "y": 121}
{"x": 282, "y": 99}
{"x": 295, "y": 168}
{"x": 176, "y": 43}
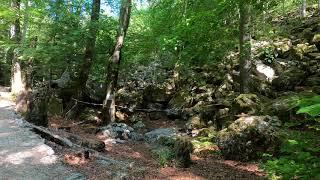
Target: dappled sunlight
{"x": 41, "y": 154}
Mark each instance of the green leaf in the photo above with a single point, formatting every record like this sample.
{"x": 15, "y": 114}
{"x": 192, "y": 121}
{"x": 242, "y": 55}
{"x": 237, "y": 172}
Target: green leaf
{"x": 313, "y": 110}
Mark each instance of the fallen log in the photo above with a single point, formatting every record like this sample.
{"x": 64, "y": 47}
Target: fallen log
{"x": 50, "y": 136}
{"x": 78, "y": 147}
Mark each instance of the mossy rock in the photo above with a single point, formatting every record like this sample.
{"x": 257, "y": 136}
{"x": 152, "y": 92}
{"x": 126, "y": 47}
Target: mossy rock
{"x": 249, "y": 137}
{"x": 182, "y": 150}
{"x": 247, "y": 103}
{"x": 154, "y": 94}
{"x": 195, "y": 122}
{"x": 289, "y": 79}
{"x": 181, "y": 100}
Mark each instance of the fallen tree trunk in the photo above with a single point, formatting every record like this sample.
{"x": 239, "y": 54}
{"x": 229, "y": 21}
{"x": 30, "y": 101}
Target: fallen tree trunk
{"x": 59, "y": 139}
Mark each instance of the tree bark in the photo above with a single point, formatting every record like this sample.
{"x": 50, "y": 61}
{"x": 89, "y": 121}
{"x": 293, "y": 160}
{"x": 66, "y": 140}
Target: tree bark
{"x": 17, "y": 80}
{"x": 86, "y": 64}
{"x": 90, "y": 48}
{"x": 114, "y": 62}
{"x": 245, "y": 46}
{"x": 304, "y": 8}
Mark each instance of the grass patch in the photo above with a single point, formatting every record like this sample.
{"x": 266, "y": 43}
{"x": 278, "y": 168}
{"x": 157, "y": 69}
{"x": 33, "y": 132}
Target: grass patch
{"x": 163, "y": 155}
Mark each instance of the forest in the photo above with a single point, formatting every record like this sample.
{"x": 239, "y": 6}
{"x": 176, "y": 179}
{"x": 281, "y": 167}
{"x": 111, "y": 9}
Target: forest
{"x": 159, "y": 89}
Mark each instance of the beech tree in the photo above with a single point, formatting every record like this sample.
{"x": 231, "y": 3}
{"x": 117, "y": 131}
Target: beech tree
{"x": 114, "y": 62}
{"x": 245, "y": 45}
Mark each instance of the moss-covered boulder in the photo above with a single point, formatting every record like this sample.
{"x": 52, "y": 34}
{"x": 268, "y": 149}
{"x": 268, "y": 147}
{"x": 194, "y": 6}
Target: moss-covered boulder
{"x": 247, "y": 103}
{"x": 89, "y": 114}
{"x": 248, "y": 137}
{"x": 289, "y": 79}
{"x": 286, "y": 106}
{"x": 182, "y": 150}
{"x": 181, "y": 99}
{"x": 154, "y": 94}
{"x": 195, "y": 122}
{"x": 316, "y": 40}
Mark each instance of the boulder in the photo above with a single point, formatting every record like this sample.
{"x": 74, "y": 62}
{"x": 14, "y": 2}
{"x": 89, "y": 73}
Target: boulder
{"x": 139, "y": 125}
{"x": 181, "y": 99}
{"x": 117, "y": 131}
{"x": 155, "y": 135}
{"x": 248, "y": 137}
{"x": 288, "y": 79}
{"x": 195, "y": 122}
{"x": 154, "y": 94}
{"x": 90, "y": 114}
{"x": 316, "y": 40}
{"x": 314, "y": 56}
{"x": 247, "y": 103}
{"x": 286, "y": 106}
{"x": 313, "y": 80}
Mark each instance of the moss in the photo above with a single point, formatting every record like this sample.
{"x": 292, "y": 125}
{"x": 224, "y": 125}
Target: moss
{"x": 182, "y": 150}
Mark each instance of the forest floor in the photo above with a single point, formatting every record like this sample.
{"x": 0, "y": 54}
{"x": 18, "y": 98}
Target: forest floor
{"x": 25, "y": 155}
{"x": 207, "y": 163}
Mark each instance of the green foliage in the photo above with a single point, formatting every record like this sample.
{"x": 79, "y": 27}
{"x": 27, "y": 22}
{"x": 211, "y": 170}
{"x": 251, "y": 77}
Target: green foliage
{"x": 310, "y": 106}
{"x": 163, "y": 155}
{"x": 299, "y": 157}
{"x": 269, "y": 54}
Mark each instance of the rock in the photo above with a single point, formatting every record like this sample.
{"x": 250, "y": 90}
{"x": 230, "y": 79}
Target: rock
{"x": 90, "y": 114}
{"x": 289, "y": 79}
{"x": 181, "y": 99}
{"x": 117, "y": 131}
{"x": 283, "y": 47}
{"x": 137, "y": 136}
{"x": 316, "y": 40}
{"x": 314, "y": 56}
{"x": 313, "y": 80}
{"x": 195, "y": 122}
{"x": 247, "y": 103}
{"x": 248, "y": 137}
{"x": 154, "y": 94}
{"x": 157, "y": 115}
{"x": 307, "y": 34}
{"x": 182, "y": 149}
{"x": 139, "y": 125}
{"x": 266, "y": 70}
{"x": 76, "y": 176}
{"x": 154, "y": 135}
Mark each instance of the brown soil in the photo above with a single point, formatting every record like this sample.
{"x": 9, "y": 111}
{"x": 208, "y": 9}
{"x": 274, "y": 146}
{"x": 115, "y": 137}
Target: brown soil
{"x": 206, "y": 163}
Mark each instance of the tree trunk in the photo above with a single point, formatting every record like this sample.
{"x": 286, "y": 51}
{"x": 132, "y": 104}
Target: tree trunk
{"x": 90, "y": 47}
{"x": 304, "y": 8}
{"x": 17, "y": 81}
{"x": 245, "y": 46}
{"x": 86, "y": 64}
{"x": 114, "y": 62}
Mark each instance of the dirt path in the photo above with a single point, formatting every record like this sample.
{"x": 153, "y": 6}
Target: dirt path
{"x": 23, "y": 154}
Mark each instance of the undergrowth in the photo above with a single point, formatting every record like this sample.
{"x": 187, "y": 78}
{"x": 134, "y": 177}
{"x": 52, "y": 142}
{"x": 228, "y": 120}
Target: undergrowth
{"x": 299, "y": 157}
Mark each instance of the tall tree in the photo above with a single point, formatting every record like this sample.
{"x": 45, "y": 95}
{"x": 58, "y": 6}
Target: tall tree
{"x": 90, "y": 47}
{"x": 245, "y": 45}
{"x": 114, "y": 62}
{"x": 89, "y": 56}
{"x": 17, "y": 82}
